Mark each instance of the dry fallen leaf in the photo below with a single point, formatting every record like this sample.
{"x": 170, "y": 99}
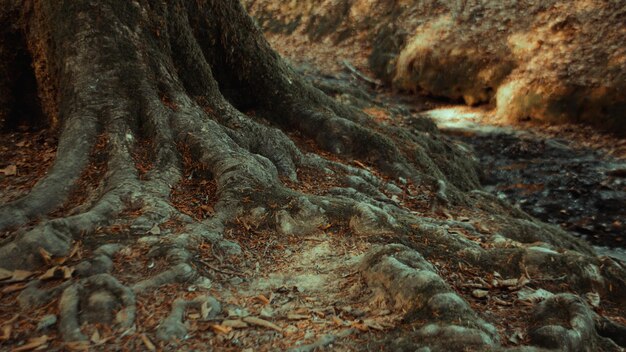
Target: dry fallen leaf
{"x": 263, "y": 299}
{"x": 221, "y": 329}
{"x": 67, "y": 272}
{"x": 6, "y": 332}
{"x": 13, "y": 288}
{"x": 290, "y": 330}
{"x": 593, "y": 298}
{"x": 75, "y": 250}
{"x": 337, "y": 321}
{"x": 523, "y": 280}
{"x": 5, "y": 274}
{"x": 58, "y": 260}
{"x": 360, "y": 164}
{"x": 326, "y": 227}
{"x": 95, "y": 337}
{"x": 57, "y": 272}
{"x": 359, "y": 326}
{"x": 10, "y": 170}
{"x": 205, "y": 309}
{"x": 77, "y": 346}
{"x": 21, "y": 275}
{"x": 45, "y": 255}
{"x": 33, "y": 343}
{"x": 49, "y": 274}
{"x": 517, "y": 337}
{"x": 207, "y": 209}
{"x": 146, "y": 341}
{"x": 507, "y": 283}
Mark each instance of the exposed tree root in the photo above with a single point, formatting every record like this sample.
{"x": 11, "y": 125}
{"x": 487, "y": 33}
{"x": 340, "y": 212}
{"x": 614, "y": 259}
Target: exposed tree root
{"x": 195, "y": 82}
{"x": 174, "y": 328}
{"x": 413, "y": 286}
{"x": 94, "y": 299}
{"x": 566, "y": 322}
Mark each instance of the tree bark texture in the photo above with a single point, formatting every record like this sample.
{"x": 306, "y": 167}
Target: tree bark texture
{"x": 197, "y": 78}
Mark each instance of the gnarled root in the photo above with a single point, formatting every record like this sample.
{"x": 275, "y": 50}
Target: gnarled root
{"x": 198, "y": 81}
{"x": 411, "y": 284}
{"x": 567, "y": 323}
{"x": 96, "y": 297}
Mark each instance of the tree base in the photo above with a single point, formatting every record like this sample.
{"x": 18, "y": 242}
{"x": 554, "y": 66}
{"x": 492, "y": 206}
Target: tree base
{"x": 195, "y": 100}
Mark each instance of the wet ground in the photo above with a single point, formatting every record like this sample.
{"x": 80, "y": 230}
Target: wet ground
{"x": 554, "y": 179}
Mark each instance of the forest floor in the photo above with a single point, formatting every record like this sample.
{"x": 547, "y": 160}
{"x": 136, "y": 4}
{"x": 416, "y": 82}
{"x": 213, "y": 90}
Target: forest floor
{"x": 568, "y": 175}
{"x": 302, "y": 293}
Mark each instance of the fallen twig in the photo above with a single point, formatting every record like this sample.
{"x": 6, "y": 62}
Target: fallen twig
{"x": 360, "y": 75}
{"x": 262, "y": 323}
{"x": 223, "y": 271}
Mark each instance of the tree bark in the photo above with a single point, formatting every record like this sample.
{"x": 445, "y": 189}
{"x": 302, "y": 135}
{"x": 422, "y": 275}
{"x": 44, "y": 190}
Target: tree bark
{"x": 196, "y": 82}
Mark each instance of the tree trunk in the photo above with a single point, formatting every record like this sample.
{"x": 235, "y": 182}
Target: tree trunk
{"x": 148, "y": 90}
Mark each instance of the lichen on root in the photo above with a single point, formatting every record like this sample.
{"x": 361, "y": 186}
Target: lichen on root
{"x": 199, "y": 83}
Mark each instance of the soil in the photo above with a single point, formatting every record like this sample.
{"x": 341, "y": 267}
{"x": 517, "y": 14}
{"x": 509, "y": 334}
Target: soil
{"x": 265, "y": 215}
